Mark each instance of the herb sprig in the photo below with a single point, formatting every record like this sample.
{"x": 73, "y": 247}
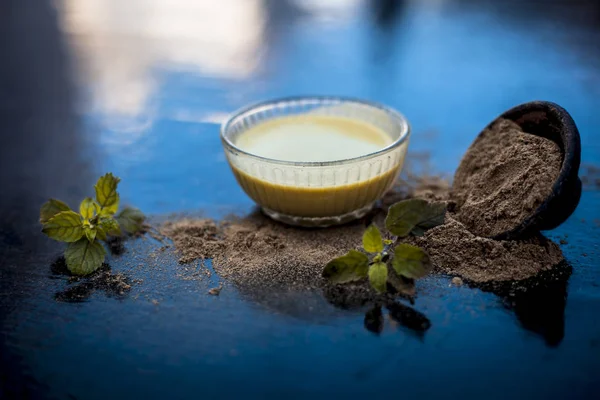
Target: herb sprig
{"x": 382, "y": 265}
{"x": 96, "y": 221}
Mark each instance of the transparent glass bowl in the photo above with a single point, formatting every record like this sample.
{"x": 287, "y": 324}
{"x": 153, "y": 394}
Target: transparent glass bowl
{"x": 317, "y": 194}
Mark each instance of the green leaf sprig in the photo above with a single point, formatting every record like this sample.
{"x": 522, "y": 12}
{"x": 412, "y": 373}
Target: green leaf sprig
{"x": 96, "y": 221}
{"x": 383, "y": 266}
{"x": 414, "y": 216}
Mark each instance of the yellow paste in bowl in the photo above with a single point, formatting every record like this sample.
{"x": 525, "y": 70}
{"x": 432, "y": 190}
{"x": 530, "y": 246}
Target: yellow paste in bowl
{"x": 308, "y": 191}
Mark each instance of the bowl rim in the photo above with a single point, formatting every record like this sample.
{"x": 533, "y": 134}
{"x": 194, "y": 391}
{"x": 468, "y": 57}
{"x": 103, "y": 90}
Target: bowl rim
{"x": 397, "y": 116}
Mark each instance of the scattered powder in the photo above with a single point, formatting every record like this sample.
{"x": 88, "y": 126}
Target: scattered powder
{"x": 256, "y": 252}
{"x": 196, "y": 239}
{"x": 457, "y": 281}
{"x": 419, "y": 180}
{"x": 504, "y": 176}
{"x": 456, "y": 251}
{"x": 215, "y": 291}
{"x": 81, "y": 288}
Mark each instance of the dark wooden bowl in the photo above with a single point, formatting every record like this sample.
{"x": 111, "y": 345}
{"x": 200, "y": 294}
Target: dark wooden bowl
{"x": 549, "y": 120}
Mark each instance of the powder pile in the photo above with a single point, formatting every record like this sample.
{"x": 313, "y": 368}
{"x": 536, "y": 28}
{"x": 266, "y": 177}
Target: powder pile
{"x": 505, "y": 175}
{"x": 257, "y": 252}
{"x": 454, "y": 250}
{"x": 196, "y": 239}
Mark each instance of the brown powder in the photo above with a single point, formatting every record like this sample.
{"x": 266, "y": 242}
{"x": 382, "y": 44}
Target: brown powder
{"x": 196, "y": 239}
{"x": 456, "y": 251}
{"x": 504, "y": 176}
{"x": 81, "y": 288}
{"x": 256, "y": 252}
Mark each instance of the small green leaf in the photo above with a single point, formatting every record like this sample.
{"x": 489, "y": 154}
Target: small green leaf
{"x": 347, "y": 268}
{"x": 378, "y": 274}
{"x": 90, "y": 233}
{"x": 101, "y": 234}
{"x": 411, "y": 261}
{"x": 66, "y": 226}
{"x": 51, "y": 208}
{"x": 84, "y": 257}
{"x": 88, "y": 208}
{"x": 372, "y": 242}
{"x": 131, "y": 220}
{"x": 111, "y": 226}
{"x": 107, "y": 226}
{"x": 388, "y": 242}
{"x": 106, "y": 194}
{"x": 414, "y": 215}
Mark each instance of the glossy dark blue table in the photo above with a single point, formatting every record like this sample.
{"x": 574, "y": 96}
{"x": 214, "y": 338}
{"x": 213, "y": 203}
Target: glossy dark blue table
{"x": 139, "y": 88}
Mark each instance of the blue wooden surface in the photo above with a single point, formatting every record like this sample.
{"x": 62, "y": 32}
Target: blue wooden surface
{"x": 137, "y": 88}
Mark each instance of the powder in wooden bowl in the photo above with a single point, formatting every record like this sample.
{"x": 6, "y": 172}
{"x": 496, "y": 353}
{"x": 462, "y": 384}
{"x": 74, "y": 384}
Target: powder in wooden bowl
{"x": 503, "y": 178}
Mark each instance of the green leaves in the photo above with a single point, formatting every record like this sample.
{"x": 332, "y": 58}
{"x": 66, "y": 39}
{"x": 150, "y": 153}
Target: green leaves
{"x": 108, "y": 227}
{"x": 106, "y": 194}
{"x": 84, "y": 257}
{"x": 51, "y": 208}
{"x": 414, "y": 216}
{"x": 411, "y": 261}
{"x": 372, "y": 241}
{"x": 84, "y": 254}
{"x": 66, "y": 226}
{"x": 131, "y": 219}
{"x": 88, "y": 208}
{"x": 347, "y": 268}
{"x": 378, "y": 274}
{"x": 407, "y": 262}
{"x": 90, "y": 233}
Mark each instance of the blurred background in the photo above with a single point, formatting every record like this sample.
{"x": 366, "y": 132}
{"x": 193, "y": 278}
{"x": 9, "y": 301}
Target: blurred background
{"x": 131, "y": 84}
{"x": 139, "y": 88}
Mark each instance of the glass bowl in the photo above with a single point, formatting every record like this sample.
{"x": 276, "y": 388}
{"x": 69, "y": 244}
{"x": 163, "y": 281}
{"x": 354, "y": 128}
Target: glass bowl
{"x": 314, "y": 193}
